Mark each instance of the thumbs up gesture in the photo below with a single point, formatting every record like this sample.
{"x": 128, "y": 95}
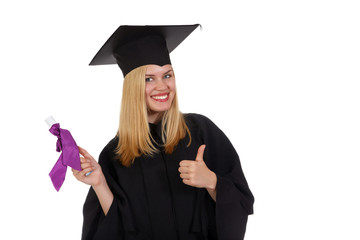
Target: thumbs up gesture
{"x": 196, "y": 173}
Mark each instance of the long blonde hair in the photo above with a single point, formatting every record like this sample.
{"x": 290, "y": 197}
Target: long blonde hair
{"x": 134, "y": 133}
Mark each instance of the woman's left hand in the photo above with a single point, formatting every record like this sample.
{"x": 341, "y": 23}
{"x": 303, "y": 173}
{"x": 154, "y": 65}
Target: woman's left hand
{"x": 196, "y": 173}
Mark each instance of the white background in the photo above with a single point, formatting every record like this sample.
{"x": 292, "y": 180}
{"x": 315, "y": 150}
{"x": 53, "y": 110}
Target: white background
{"x": 280, "y": 78}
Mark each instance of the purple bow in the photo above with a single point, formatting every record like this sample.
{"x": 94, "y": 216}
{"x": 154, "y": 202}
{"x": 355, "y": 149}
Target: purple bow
{"x": 70, "y": 155}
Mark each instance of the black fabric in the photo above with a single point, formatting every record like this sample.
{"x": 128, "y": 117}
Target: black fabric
{"x": 152, "y": 202}
{"x": 142, "y": 51}
{"x": 134, "y": 46}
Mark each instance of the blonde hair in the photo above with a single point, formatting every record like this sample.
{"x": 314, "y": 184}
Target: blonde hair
{"x": 134, "y": 133}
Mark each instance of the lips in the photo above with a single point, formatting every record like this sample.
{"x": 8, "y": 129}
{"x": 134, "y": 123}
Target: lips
{"x": 162, "y": 97}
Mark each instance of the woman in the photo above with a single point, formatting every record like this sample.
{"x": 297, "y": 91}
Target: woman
{"x": 155, "y": 179}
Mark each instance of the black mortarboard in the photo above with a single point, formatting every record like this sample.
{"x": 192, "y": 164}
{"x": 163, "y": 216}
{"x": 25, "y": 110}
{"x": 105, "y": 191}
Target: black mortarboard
{"x": 134, "y": 46}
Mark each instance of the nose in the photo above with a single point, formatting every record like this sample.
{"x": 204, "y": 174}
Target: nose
{"x": 161, "y": 85}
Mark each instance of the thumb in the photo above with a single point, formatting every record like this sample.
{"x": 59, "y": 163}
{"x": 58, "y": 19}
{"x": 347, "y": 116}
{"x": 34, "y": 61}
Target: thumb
{"x": 200, "y": 153}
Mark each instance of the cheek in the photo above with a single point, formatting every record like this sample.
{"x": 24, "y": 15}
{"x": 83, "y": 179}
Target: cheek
{"x": 172, "y": 85}
{"x": 147, "y": 91}
{"x": 147, "y": 95}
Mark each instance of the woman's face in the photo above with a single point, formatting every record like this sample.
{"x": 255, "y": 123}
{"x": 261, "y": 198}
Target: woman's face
{"x": 159, "y": 90}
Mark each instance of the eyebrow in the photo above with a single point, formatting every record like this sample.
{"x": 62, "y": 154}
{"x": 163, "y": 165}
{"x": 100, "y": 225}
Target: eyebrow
{"x": 154, "y": 74}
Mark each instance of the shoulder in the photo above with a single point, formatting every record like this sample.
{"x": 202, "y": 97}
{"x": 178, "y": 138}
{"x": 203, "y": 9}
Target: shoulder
{"x": 203, "y": 126}
{"x": 195, "y": 120}
{"x": 198, "y": 119}
{"x": 111, "y": 145}
{"x": 108, "y": 151}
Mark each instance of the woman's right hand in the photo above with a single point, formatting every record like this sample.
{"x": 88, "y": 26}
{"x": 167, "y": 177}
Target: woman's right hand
{"x": 89, "y": 164}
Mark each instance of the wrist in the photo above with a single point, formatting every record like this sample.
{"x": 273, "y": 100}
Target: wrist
{"x": 212, "y": 182}
{"x": 101, "y": 183}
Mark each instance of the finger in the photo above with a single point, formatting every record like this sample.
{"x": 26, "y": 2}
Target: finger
{"x": 76, "y": 173}
{"x": 84, "y": 160}
{"x": 200, "y": 153}
{"x": 183, "y": 169}
{"x": 86, "y": 170}
{"x": 185, "y": 163}
{"x": 84, "y": 153}
{"x": 189, "y": 169}
{"x": 81, "y": 150}
{"x": 86, "y": 165}
{"x": 187, "y": 182}
{"x": 185, "y": 176}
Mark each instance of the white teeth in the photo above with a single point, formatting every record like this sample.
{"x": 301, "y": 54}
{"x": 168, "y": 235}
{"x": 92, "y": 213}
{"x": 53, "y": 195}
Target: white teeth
{"x": 160, "y": 97}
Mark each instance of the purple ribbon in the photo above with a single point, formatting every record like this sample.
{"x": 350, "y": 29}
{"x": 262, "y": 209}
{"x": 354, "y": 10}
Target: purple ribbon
{"x": 70, "y": 155}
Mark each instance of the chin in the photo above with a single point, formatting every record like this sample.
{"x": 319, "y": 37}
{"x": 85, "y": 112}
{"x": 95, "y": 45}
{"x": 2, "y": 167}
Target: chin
{"x": 160, "y": 110}
{"x": 154, "y": 107}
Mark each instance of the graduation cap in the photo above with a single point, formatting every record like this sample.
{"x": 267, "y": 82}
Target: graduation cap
{"x": 134, "y": 46}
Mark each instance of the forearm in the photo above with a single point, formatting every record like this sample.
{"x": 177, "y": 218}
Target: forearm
{"x": 104, "y": 195}
{"x": 211, "y": 189}
{"x": 212, "y": 194}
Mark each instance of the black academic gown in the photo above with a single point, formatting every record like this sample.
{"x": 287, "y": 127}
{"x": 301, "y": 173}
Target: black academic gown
{"x": 152, "y": 203}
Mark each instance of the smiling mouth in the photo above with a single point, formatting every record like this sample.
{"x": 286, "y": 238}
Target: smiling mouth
{"x": 161, "y": 98}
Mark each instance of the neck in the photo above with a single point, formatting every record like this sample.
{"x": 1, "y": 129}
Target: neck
{"x": 155, "y": 117}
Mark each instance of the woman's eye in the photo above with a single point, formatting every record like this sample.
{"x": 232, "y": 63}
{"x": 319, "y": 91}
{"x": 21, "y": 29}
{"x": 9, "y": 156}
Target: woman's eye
{"x": 149, "y": 79}
{"x": 167, "y": 76}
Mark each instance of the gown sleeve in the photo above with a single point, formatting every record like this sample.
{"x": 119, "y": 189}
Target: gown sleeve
{"x": 96, "y": 225}
{"x": 234, "y": 200}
